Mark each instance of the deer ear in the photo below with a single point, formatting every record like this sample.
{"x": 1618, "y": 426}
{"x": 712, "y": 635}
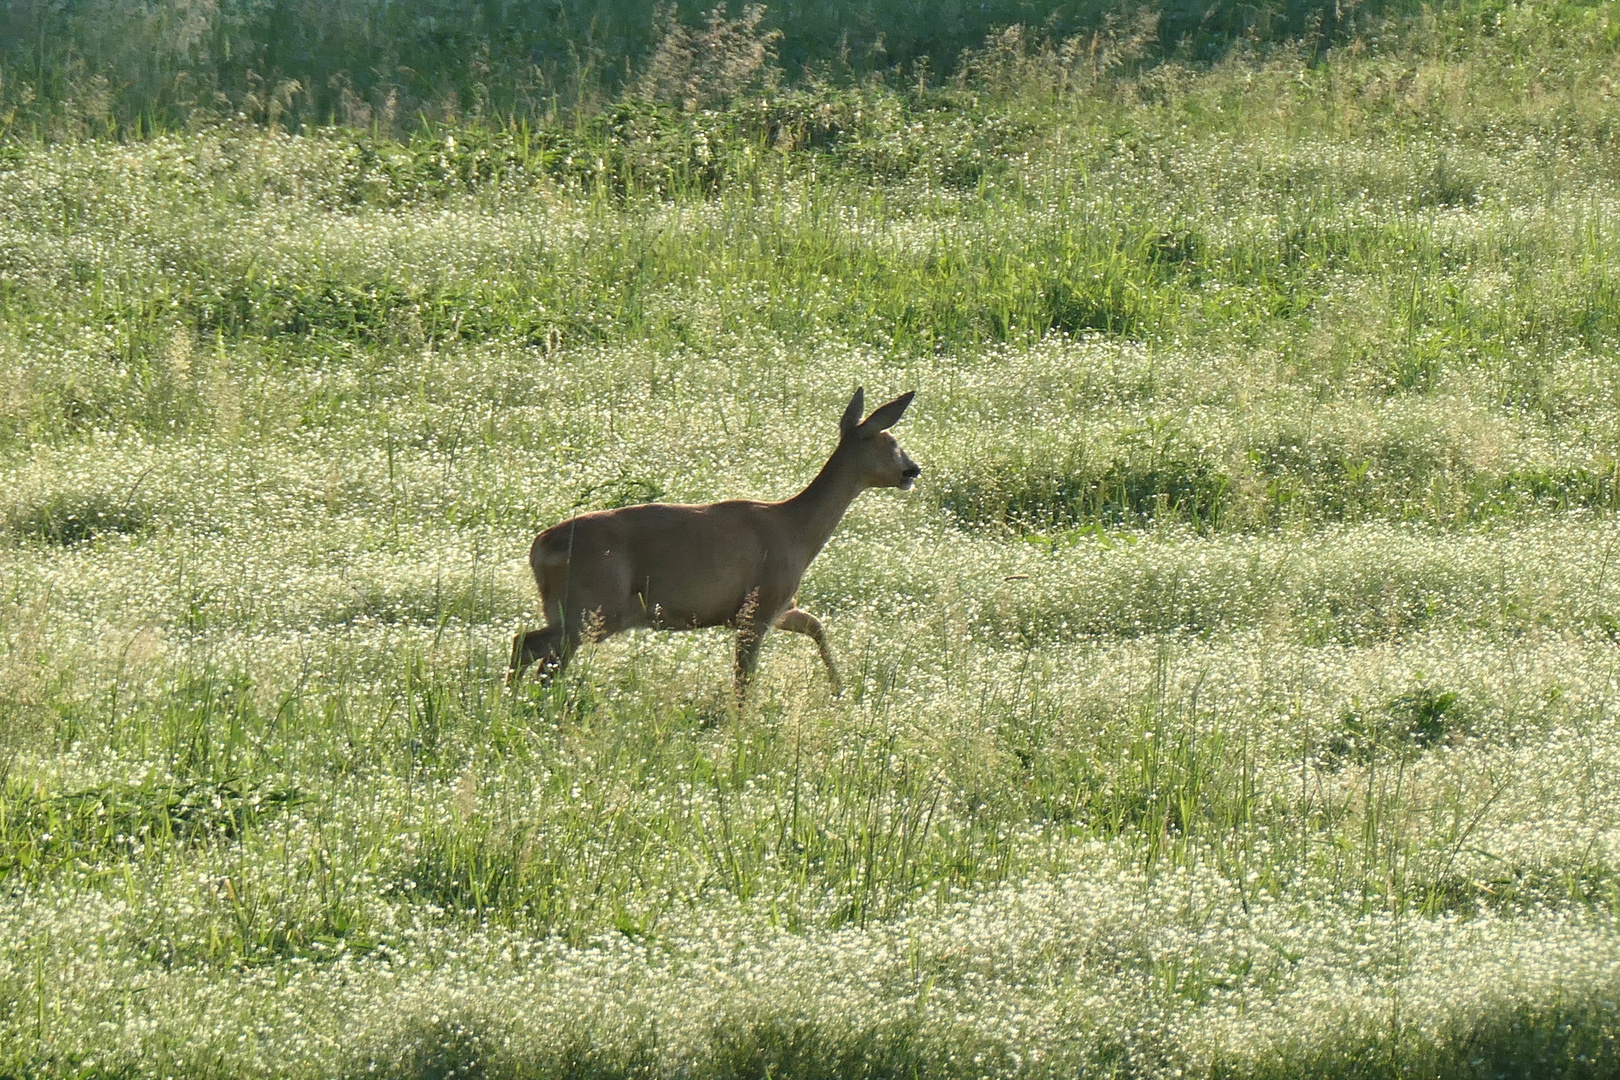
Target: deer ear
{"x": 886, "y": 416}
{"x": 852, "y": 415}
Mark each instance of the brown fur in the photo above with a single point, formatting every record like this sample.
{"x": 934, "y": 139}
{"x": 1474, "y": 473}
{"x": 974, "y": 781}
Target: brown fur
{"x": 735, "y": 563}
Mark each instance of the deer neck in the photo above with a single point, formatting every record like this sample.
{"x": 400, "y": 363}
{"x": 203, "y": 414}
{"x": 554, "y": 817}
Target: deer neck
{"x": 816, "y": 511}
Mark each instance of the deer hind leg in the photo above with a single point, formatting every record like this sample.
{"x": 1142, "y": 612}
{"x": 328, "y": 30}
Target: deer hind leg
{"x": 798, "y": 621}
{"x": 550, "y": 647}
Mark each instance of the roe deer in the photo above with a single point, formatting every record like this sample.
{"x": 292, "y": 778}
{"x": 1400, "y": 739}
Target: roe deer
{"x": 735, "y": 563}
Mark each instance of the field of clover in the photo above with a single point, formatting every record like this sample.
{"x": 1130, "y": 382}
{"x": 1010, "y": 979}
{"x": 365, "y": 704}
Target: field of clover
{"x": 1236, "y": 695}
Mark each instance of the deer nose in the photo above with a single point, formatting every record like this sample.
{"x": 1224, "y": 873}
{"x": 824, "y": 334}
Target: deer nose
{"x": 911, "y": 472}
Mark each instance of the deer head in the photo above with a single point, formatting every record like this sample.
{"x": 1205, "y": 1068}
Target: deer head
{"x": 869, "y": 451}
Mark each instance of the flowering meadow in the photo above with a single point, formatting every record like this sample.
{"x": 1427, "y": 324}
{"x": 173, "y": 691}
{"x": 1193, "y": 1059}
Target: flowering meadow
{"x": 1236, "y": 695}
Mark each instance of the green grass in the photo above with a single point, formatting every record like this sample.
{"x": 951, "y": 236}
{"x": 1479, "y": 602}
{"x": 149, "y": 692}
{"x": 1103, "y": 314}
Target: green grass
{"x": 1235, "y": 694}
{"x": 108, "y": 66}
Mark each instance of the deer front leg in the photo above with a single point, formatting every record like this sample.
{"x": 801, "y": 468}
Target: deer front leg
{"x": 798, "y": 621}
{"x": 748, "y": 641}
{"x": 750, "y": 633}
